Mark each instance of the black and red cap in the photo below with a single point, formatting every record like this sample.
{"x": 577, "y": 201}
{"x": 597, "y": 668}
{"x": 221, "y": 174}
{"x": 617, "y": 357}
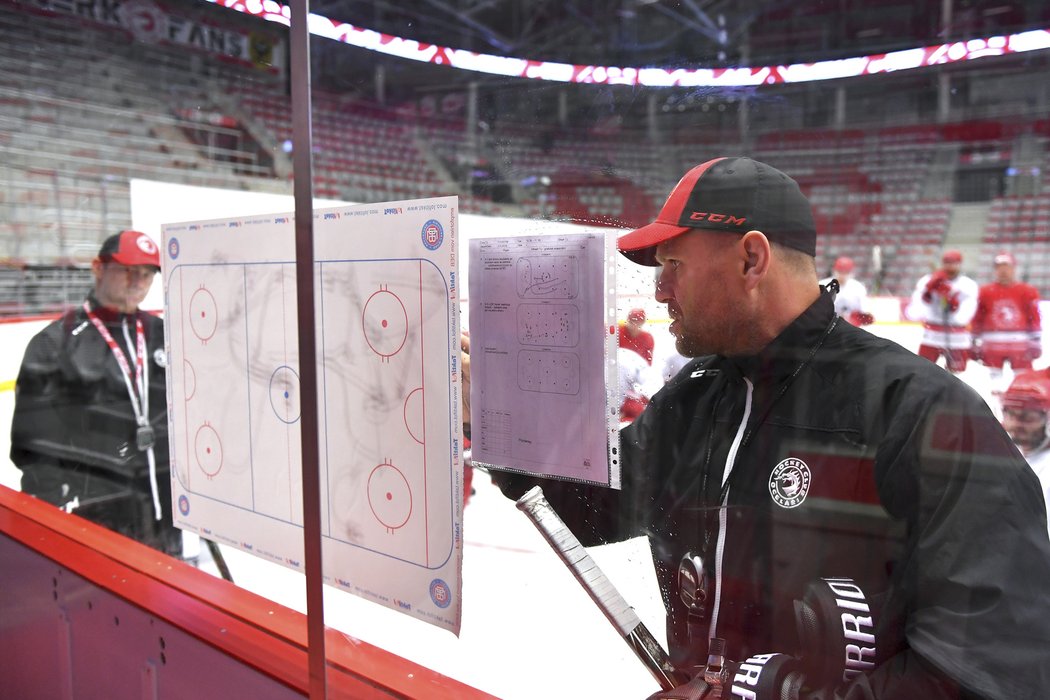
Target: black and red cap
{"x": 130, "y": 248}
{"x": 729, "y": 194}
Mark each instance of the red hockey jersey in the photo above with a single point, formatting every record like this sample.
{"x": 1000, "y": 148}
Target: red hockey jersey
{"x": 1007, "y": 317}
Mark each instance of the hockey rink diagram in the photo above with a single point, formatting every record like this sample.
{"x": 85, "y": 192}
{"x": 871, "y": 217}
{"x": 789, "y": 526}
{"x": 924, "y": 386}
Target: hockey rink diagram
{"x": 541, "y": 306}
{"x": 387, "y": 349}
{"x": 553, "y": 325}
{"x": 377, "y": 450}
{"x": 555, "y": 277}
{"x": 380, "y": 322}
{"x": 548, "y": 325}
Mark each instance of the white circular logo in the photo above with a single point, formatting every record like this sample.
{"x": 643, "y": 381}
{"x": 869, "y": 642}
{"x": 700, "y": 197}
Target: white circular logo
{"x": 160, "y": 357}
{"x": 789, "y": 483}
{"x": 1006, "y": 314}
{"x": 146, "y": 245}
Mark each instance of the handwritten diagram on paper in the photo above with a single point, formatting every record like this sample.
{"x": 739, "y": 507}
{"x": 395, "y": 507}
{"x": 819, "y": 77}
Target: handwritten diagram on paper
{"x": 540, "y": 356}
{"x": 388, "y": 395}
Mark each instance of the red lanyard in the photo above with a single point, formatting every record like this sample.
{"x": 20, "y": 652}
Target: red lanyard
{"x": 133, "y": 380}
{"x": 139, "y": 401}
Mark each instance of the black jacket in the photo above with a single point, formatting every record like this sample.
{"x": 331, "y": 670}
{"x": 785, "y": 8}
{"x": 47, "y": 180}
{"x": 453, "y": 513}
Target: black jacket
{"x": 73, "y": 428}
{"x": 847, "y": 456}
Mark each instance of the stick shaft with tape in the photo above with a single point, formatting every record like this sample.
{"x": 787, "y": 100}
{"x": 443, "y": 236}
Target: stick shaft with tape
{"x": 599, "y": 588}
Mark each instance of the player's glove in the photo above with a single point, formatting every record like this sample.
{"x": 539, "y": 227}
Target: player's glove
{"x": 861, "y": 318}
{"x": 761, "y": 676}
{"x": 937, "y": 285}
{"x": 836, "y": 628}
{"x": 952, "y": 301}
{"x": 767, "y": 677}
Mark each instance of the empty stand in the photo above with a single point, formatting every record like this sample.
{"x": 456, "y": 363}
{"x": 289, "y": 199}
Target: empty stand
{"x": 77, "y": 124}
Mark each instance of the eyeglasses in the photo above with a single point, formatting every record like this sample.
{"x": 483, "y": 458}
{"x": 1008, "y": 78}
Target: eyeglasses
{"x": 133, "y": 272}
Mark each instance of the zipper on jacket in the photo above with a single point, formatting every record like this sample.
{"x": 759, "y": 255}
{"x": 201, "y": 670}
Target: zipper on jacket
{"x": 723, "y": 506}
{"x": 743, "y": 436}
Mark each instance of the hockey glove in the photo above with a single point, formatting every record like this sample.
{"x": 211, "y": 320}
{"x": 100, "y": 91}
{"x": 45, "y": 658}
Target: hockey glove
{"x": 861, "y": 318}
{"x": 760, "y": 677}
{"x": 937, "y": 285}
{"x": 837, "y": 631}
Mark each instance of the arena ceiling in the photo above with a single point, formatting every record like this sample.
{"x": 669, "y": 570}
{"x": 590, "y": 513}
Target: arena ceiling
{"x": 687, "y": 33}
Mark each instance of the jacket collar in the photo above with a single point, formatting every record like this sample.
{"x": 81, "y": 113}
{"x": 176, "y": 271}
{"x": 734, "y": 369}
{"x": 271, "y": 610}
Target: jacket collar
{"x": 106, "y": 314}
{"x": 793, "y": 346}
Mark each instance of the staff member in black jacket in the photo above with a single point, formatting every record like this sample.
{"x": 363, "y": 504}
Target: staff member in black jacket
{"x": 847, "y": 518}
{"x": 89, "y": 430}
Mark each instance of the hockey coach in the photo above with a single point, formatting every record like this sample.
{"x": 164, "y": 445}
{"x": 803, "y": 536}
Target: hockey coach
{"x": 847, "y": 518}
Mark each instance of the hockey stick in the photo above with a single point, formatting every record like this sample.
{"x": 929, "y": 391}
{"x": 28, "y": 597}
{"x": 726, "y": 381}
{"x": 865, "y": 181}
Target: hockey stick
{"x": 599, "y": 588}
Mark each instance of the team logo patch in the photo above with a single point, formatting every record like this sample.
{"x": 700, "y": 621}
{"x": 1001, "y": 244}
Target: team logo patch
{"x": 789, "y": 483}
{"x": 160, "y": 357}
{"x": 1006, "y": 314}
{"x": 146, "y": 245}
{"x": 433, "y": 234}
{"x": 173, "y": 248}
{"x": 184, "y": 505}
{"x": 440, "y": 593}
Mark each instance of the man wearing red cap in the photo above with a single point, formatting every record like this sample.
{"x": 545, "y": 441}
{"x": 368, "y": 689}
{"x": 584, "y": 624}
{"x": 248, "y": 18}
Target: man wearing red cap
{"x": 1026, "y": 417}
{"x": 830, "y": 515}
{"x": 633, "y": 336}
{"x": 944, "y": 301}
{"x": 851, "y": 301}
{"x": 1007, "y": 326}
{"x": 89, "y": 430}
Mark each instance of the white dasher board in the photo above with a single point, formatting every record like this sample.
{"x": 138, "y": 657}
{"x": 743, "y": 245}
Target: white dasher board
{"x": 387, "y": 324}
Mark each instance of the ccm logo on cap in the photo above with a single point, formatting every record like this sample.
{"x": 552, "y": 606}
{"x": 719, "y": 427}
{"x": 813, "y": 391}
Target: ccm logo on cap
{"x": 718, "y": 218}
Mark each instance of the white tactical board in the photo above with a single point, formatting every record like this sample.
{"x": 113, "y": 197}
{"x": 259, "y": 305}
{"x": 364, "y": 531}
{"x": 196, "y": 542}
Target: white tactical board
{"x": 387, "y": 324}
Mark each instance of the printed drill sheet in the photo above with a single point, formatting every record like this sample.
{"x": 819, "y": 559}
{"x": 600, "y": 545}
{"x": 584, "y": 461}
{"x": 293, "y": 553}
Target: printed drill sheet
{"x": 543, "y": 374}
{"x": 387, "y": 339}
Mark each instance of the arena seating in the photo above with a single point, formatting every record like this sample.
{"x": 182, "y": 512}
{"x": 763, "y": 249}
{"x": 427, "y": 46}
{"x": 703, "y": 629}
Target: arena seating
{"x": 867, "y": 190}
{"x": 76, "y": 125}
{"x": 1021, "y": 225}
{"x": 361, "y": 153}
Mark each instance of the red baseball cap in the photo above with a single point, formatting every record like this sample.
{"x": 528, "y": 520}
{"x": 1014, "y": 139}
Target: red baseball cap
{"x": 1004, "y": 258}
{"x": 951, "y": 256}
{"x": 728, "y": 194}
{"x": 130, "y": 248}
{"x": 844, "y": 264}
